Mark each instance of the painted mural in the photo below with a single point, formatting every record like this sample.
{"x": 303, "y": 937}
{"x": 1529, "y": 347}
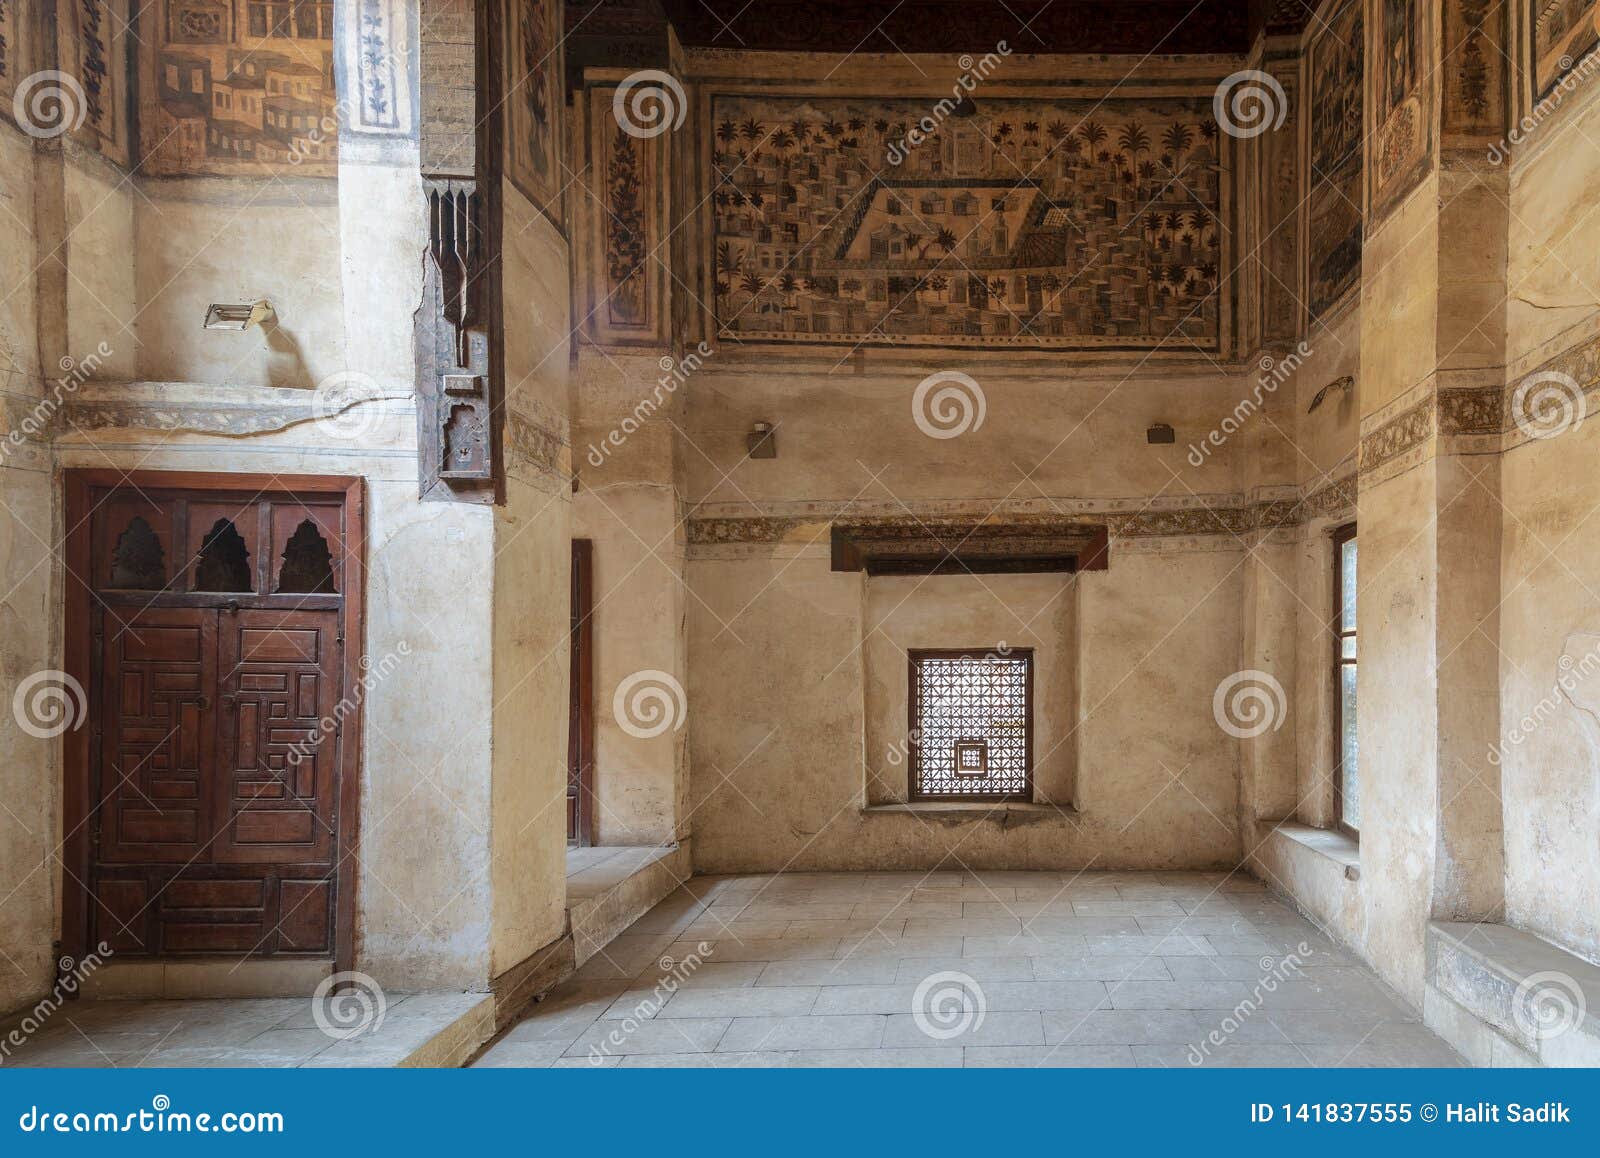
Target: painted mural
{"x": 532, "y": 104}
{"x": 375, "y": 69}
{"x": 1402, "y": 104}
{"x": 15, "y": 51}
{"x": 94, "y": 55}
{"x": 1335, "y": 71}
{"x": 238, "y": 87}
{"x": 1475, "y": 67}
{"x": 1014, "y": 224}
{"x": 1564, "y": 32}
{"x": 624, "y": 279}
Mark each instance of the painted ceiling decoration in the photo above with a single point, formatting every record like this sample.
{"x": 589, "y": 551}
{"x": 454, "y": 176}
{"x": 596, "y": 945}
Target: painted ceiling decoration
{"x": 1029, "y": 223}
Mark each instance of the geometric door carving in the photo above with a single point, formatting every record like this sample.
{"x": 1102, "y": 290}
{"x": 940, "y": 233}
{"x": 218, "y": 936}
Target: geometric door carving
{"x": 218, "y": 760}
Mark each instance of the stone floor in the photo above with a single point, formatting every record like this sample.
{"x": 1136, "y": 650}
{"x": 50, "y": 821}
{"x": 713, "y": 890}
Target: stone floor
{"x": 971, "y": 968}
{"x": 419, "y": 1029}
{"x": 595, "y": 871}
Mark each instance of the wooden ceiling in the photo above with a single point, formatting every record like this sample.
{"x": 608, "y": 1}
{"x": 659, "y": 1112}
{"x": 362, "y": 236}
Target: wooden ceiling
{"x": 911, "y": 26}
{"x": 632, "y": 33}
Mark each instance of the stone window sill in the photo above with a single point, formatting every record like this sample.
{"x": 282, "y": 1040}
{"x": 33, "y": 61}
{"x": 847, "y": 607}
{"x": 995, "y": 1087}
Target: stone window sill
{"x": 970, "y": 809}
{"x": 1336, "y": 846}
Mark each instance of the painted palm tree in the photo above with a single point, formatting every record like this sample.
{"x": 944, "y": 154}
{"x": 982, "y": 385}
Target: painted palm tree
{"x": 751, "y": 129}
{"x": 727, "y": 131}
{"x": 1177, "y": 139}
{"x": 728, "y": 261}
{"x": 857, "y": 124}
{"x": 1092, "y": 133}
{"x": 833, "y": 128}
{"x": 1057, "y": 130}
{"x": 751, "y": 284}
{"x": 1133, "y": 140}
{"x": 801, "y": 130}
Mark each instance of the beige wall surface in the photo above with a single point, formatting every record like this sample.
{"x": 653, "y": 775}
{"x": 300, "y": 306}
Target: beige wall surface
{"x": 531, "y": 568}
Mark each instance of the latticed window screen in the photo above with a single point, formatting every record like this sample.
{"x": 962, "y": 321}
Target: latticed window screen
{"x": 971, "y": 725}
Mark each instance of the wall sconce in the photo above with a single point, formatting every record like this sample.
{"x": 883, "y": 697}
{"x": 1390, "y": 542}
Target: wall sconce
{"x": 237, "y": 316}
{"x": 1160, "y": 434}
{"x": 762, "y": 441}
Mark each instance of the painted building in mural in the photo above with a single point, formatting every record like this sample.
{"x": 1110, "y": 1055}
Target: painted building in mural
{"x": 242, "y": 82}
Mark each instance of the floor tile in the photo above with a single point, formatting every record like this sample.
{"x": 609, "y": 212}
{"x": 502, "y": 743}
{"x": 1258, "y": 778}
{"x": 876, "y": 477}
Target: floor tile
{"x": 790, "y": 1033}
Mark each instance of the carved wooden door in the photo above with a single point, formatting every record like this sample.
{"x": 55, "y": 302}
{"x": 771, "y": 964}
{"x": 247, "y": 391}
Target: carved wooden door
{"x": 213, "y": 776}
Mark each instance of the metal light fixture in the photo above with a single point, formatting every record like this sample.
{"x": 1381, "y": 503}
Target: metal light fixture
{"x": 762, "y": 441}
{"x": 1341, "y": 384}
{"x": 237, "y": 316}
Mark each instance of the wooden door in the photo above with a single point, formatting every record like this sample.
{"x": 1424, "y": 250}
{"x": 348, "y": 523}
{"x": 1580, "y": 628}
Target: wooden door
{"x": 580, "y": 724}
{"x": 211, "y": 805}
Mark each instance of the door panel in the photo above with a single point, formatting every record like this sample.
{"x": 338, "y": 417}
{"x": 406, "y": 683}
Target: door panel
{"x": 154, "y": 718}
{"x": 275, "y": 803}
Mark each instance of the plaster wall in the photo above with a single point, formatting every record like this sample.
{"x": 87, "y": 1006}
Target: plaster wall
{"x": 793, "y": 693}
{"x": 1549, "y": 569}
{"x": 984, "y": 613}
{"x": 100, "y": 311}
{"x": 199, "y": 240}
{"x": 629, "y": 505}
{"x": 531, "y": 568}
{"x": 29, "y": 638}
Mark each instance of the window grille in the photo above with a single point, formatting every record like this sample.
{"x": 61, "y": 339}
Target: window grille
{"x": 971, "y": 722}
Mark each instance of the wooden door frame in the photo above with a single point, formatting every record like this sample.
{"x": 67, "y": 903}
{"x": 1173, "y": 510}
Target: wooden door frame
{"x": 580, "y": 722}
{"x": 78, "y": 662}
